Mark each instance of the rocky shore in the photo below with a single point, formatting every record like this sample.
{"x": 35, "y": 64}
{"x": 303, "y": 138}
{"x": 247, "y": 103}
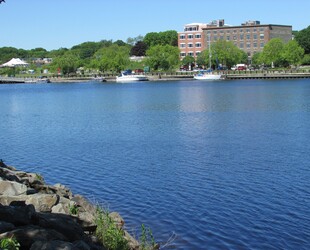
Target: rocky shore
{"x": 41, "y": 216}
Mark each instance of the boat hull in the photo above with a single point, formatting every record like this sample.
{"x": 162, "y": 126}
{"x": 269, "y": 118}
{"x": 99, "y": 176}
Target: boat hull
{"x": 131, "y": 78}
{"x": 208, "y": 77}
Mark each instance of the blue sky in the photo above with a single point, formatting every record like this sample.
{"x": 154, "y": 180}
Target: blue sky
{"x": 53, "y": 24}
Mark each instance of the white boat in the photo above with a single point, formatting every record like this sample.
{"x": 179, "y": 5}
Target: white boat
{"x": 208, "y": 74}
{"x": 127, "y": 76}
{"x": 99, "y": 79}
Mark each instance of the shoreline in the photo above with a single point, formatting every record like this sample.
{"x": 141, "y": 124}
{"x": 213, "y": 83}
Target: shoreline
{"x": 42, "y": 216}
{"x": 169, "y": 77}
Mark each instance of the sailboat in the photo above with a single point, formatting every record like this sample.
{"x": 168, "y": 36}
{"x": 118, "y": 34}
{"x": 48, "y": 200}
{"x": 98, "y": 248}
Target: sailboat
{"x": 208, "y": 75}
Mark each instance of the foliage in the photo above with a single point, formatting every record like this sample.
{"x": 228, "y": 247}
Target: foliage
{"x": 114, "y": 58}
{"x": 306, "y": 60}
{"x": 9, "y": 244}
{"x": 68, "y": 63}
{"x": 73, "y": 209}
{"x": 292, "y": 53}
{"x": 271, "y": 53}
{"x": 163, "y": 57}
{"x": 188, "y": 60}
{"x": 303, "y": 39}
{"x": 256, "y": 59}
{"x": 147, "y": 240}
{"x": 169, "y": 37}
{"x": 226, "y": 53}
{"x": 86, "y": 50}
{"x": 203, "y": 58}
{"x": 139, "y": 49}
{"x": 107, "y": 231}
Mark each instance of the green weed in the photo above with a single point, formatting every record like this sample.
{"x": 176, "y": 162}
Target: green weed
{"x": 107, "y": 231}
{"x": 9, "y": 244}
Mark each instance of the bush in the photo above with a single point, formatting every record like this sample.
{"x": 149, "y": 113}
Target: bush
{"x": 107, "y": 231}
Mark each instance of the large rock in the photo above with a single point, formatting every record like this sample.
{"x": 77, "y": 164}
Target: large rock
{"x": 62, "y": 223}
{"x": 42, "y": 202}
{"x": 6, "y": 226}
{"x": 52, "y": 245}
{"x": 17, "y": 215}
{"x": 27, "y": 235}
{"x": 11, "y": 188}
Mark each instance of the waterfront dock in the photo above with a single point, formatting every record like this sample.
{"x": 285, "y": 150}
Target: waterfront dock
{"x": 169, "y": 76}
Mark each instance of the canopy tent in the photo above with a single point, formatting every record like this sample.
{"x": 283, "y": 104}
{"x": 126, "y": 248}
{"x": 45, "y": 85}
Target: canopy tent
{"x": 14, "y": 62}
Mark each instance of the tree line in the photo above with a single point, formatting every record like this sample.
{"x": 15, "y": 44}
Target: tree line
{"x": 161, "y": 53}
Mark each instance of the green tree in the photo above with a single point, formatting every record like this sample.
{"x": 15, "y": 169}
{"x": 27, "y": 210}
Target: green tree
{"x": 256, "y": 59}
{"x": 306, "y": 60}
{"x": 169, "y": 37}
{"x": 202, "y": 59}
{"x": 226, "y": 53}
{"x": 68, "y": 63}
{"x": 38, "y": 53}
{"x": 292, "y": 53}
{"x": 303, "y": 38}
{"x": 163, "y": 57}
{"x": 188, "y": 60}
{"x": 114, "y": 58}
{"x": 272, "y": 51}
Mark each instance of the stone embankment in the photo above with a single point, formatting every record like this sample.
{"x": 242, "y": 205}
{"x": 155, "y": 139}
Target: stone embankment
{"x": 41, "y": 216}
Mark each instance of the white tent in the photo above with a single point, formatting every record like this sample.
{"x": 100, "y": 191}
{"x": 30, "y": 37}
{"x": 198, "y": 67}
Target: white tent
{"x": 14, "y": 62}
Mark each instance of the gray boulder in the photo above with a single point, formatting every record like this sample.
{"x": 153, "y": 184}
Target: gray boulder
{"x": 11, "y": 188}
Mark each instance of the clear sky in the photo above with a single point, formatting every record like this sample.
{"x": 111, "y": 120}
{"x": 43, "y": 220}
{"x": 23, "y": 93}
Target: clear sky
{"x": 53, "y": 24}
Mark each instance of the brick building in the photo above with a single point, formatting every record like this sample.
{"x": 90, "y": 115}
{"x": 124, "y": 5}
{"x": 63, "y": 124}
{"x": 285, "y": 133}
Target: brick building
{"x": 250, "y": 36}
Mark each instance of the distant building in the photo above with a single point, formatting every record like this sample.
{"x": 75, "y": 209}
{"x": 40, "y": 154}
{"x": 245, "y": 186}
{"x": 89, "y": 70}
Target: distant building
{"x": 250, "y": 36}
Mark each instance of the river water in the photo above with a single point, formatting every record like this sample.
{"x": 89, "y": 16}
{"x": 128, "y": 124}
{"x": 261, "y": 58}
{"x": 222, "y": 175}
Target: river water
{"x": 205, "y": 165}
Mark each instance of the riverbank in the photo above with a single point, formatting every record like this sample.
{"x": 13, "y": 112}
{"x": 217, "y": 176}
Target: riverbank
{"x": 165, "y": 76}
{"x": 40, "y": 216}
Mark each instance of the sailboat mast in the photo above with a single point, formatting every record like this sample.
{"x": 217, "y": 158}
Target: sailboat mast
{"x": 210, "y": 53}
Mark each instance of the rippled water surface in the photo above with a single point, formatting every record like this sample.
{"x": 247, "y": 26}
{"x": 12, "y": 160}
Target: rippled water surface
{"x": 204, "y": 165}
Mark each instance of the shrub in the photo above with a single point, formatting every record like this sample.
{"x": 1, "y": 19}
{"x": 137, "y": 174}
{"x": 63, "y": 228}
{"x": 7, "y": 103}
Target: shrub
{"x": 9, "y": 244}
{"x": 107, "y": 231}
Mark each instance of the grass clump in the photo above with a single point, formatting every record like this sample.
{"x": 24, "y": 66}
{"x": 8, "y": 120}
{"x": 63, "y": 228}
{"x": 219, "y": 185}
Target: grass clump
{"x": 9, "y": 244}
{"x": 108, "y": 232}
{"x": 147, "y": 240}
{"x": 73, "y": 209}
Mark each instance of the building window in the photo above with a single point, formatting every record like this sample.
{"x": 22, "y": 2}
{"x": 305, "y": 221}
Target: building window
{"x": 190, "y": 45}
{"x": 190, "y": 53}
{"x": 183, "y": 45}
{"x": 241, "y": 45}
{"x": 228, "y": 38}
{"x": 262, "y": 36}
{"x": 198, "y": 45}
{"x": 198, "y": 53}
{"x": 262, "y": 45}
{"x": 198, "y": 36}
{"x": 255, "y": 36}
{"x": 241, "y": 30}
{"x": 241, "y": 36}
{"x": 182, "y": 36}
{"x": 235, "y": 37}
{"x": 248, "y": 45}
{"x": 214, "y": 32}
{"x": 255, "y": 45}
{"x": 248, "y": 36}
{"x": 254, "y": 30}
{"x": 182, "y": 54}
{"x": 221, "y": 38}
{"x": 190, "y": 36}
{"x": 248, "y": 30}
{"x": 261, "y": 29}
{"x": 214, "y": 38}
